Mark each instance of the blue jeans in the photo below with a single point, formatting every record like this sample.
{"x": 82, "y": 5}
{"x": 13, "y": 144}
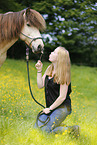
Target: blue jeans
{"x": 56, "y": 118}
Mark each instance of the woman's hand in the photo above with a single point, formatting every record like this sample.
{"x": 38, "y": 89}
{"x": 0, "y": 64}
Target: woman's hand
{"x": 39, "y": 65}
{"x": 46, "y": 110}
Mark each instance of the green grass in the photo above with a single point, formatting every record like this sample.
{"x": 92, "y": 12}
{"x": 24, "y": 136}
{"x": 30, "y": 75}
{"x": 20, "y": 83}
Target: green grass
{"x": 18, "y": 111}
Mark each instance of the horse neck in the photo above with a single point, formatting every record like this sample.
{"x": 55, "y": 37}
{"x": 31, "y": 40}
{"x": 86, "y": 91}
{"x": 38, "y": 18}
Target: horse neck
{"x": 5, "y": 45}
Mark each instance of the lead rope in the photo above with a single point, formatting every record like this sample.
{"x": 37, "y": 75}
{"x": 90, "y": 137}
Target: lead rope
{"x": 27, "y": 59}
{"x": 41, "y": 112}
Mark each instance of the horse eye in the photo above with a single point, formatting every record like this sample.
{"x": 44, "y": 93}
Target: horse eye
{"x": 28, "y": 25}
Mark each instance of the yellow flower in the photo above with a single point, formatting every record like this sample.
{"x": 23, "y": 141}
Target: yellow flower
{"x": 63, "y": 133}
{"x": 56, "y": 135}
{"x": 65, "y": 130}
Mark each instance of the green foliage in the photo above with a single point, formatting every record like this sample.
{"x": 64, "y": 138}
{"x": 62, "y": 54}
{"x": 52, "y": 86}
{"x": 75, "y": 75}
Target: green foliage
{"x": 18, "y": 111}
{"x": 72, "y": 24}
{"x": 9, "y": 5}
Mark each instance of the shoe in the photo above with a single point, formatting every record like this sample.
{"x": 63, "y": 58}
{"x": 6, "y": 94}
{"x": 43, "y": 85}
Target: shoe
{"x": 75, "y": 131}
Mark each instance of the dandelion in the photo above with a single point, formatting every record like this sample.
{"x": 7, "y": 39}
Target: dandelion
{"x": 63, "y": 133}
{"x": 66, "y": 130}
{"x": 56, "y": 135}
{"x": 2, "y": 141}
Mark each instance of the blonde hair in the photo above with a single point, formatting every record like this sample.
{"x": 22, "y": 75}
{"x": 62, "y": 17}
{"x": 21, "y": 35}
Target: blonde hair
{"x": 62, "y": 72}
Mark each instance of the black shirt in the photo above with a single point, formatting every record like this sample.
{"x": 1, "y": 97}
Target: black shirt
{"x": 52, "y": 91}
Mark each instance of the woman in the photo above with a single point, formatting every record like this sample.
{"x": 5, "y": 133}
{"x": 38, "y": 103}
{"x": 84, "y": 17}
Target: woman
{"x": 57, "y": 83}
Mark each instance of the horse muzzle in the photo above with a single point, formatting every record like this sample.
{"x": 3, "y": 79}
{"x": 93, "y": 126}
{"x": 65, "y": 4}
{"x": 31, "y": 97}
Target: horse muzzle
{"x": 39, "y": 49}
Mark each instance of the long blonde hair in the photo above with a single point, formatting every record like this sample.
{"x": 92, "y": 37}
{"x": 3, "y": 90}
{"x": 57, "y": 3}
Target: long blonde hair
{"x": 62, "y": 72}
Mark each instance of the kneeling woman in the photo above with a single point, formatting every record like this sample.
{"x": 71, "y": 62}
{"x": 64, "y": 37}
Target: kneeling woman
{"x": 57, "y": 83}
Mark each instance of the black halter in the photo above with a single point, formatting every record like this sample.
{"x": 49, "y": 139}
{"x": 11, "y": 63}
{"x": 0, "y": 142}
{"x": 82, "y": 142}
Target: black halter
{"x": 32, "y": 39}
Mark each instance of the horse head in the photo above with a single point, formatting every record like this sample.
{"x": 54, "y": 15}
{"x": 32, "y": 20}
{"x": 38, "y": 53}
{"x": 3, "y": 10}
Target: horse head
{"x": 30, "y": 33}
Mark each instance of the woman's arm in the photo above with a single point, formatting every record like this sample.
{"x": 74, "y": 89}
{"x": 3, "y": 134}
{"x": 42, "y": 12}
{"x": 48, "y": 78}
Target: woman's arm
{"x": 59, "y": 100}
{"x": 40, "y": 79}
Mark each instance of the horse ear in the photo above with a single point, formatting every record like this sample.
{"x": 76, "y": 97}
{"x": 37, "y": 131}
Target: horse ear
{"x": 27, "y": 11}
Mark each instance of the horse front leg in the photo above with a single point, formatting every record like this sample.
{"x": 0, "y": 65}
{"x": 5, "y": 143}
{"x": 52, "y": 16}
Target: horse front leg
{"x": 3, "y": 58}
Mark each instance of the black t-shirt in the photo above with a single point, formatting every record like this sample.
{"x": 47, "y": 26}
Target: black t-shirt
{"x": 52, "y": 91}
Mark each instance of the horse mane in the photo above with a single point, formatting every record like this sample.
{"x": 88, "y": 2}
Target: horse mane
{"x": 11, "y": 23}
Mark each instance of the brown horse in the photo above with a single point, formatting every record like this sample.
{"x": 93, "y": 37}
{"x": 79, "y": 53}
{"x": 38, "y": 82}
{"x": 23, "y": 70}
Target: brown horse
{"x": 25, "y": 25}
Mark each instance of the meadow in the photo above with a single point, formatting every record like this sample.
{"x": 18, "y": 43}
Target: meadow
{"x": 18, "y": 111}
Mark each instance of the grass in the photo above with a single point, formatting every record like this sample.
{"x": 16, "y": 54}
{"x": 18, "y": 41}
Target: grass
{"x": 18, "y": 111}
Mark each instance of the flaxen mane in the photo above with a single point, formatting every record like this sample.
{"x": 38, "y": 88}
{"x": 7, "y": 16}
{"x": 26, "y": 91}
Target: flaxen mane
{"x": 11, "y": 23}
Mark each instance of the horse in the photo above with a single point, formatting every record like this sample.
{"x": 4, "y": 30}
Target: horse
{"x": 25, "y": 25}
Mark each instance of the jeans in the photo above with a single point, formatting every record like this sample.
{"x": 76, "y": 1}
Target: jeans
{"x": 56, "y": 118}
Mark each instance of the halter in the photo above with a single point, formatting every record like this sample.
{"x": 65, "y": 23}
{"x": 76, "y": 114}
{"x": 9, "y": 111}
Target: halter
{"x": 33, "y": 39}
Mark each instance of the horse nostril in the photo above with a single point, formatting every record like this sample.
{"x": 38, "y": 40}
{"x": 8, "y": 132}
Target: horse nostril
{"x": 39, "y": 47}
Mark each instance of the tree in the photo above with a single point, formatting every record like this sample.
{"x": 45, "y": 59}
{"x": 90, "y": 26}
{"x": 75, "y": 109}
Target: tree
{"x": 9, "y": 5}
{"x": 72, "y": 24}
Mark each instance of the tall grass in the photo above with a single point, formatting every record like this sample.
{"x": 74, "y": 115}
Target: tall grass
{"x": 18, "y": 111}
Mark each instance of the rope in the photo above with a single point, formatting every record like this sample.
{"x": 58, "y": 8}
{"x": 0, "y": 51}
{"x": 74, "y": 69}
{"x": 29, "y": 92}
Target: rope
{"x": 41, "y": 112}
{"x": 44, "y": 122}
{"x": 30, "y": 86}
